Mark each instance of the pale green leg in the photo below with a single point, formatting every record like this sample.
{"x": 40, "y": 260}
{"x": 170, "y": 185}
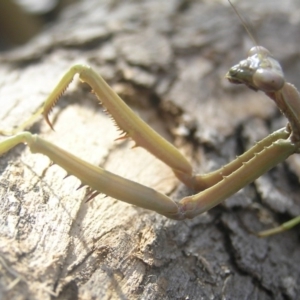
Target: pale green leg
{"x": 259, "y": 164}
{"x": 131, "y": 192}
{"x": 95, "y": 177}
{"x": 283, "y": 227}
{"x": 225, "y": 182}
{"x": 204, "y": 181}
{"x": 25, "y": 125}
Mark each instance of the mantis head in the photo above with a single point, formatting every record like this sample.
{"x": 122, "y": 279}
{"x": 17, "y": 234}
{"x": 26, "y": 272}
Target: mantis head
{"x": 259, "y": 71}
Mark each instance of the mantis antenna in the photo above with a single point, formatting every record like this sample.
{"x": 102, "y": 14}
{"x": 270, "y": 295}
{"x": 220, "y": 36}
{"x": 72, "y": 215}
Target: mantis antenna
{"x": 243, "y": 23}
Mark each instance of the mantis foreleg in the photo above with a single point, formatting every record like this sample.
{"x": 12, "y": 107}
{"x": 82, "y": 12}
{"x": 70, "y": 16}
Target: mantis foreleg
{"x": 96, "y": 178}
{"x": 131, "y": 192}
{"x": 214, "y": 187}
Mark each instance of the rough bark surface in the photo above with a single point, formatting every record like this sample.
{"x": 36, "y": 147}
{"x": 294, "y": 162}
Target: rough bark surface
{"x": 167, "y": 59}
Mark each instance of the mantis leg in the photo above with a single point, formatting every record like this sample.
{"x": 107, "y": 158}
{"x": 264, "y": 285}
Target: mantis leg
{"x": 215, "y": 187}
{"x": 129, "y": 123}
{"x": 283, "y": 227}
{"x": 98, "y": 179}
{"x": 131, "y": 192}
{"x": 208, "y": 180}
{"x": 24, "y": 125}
{"x": 260, "y": 163}
{"x": 143, "y": 134}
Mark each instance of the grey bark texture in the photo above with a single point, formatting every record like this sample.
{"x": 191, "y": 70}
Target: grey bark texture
{"x": 167, "y": 59}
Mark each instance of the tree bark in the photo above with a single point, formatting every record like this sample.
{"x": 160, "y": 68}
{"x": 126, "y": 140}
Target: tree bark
{"x": 167, "y": 59}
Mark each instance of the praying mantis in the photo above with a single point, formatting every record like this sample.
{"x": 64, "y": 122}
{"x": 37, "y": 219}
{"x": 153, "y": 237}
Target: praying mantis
{"x": 259, "y": 71}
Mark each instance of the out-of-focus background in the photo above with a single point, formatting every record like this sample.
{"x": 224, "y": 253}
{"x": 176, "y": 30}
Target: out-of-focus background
{"x": 21, "y": 20}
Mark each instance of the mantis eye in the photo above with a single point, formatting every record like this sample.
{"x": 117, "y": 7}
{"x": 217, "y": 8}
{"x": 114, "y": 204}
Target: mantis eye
{"x": 268, "y": 80}
{"x": 268, "y": 76}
